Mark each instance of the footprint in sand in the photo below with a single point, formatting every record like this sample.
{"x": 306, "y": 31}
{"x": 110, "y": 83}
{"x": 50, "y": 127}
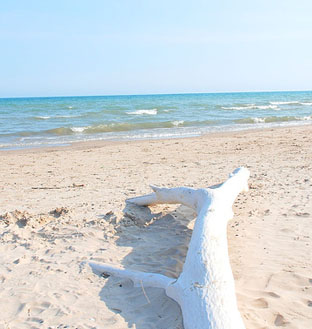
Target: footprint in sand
{"x": 280, "y": 321}
{"x": 302, "y": 214}
{"x": 260, "y": 303}
{"x": 34, "y": 319}
{"x": 273, "y": 294}
{"x": 37, "y": 310}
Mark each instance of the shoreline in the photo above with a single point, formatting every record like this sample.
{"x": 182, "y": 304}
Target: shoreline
{"x": 65, "y": 206}
{"x": 156, "y": 134}
{"x": 102, "y": 142}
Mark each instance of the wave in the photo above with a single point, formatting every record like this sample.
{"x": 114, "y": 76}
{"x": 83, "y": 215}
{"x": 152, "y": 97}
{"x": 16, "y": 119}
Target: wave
{"x": 252, "y": 107}
{"x": 285, "y": 103}
{"x": 42, "y": 117}
{"x": 78, "y": 129}
{"x": 113, "y": 127}
{"x": 55, "y": 117}
{"x": 125, "y": 126}
{"x": 67, "y": 116}
{"x": 178, "y": 123}
{"x": 291, "y": 103}
{"x": 141, "y": 112}
{"x": 272, "y": 119}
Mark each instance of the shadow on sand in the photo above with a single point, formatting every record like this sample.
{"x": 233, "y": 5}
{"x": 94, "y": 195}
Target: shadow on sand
{"x": 160, "y": 241}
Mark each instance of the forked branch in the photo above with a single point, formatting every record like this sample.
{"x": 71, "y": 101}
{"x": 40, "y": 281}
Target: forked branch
{"x": 205, "y": 288}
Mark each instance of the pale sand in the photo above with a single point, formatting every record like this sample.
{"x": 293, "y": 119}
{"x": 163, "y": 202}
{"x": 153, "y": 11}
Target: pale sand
{"x": 45, "y": 282}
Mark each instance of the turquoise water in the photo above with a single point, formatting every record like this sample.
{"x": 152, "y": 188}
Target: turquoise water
{"x": 32, "y": 122}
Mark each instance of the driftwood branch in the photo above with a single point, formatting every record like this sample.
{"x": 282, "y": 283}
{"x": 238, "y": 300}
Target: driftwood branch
{"x": 56, "y": 187}
{"x": 205, "y": 289}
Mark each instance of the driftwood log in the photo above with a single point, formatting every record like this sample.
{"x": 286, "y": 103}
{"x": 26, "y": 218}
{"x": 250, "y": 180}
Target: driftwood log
{"x": 205, "y": 289}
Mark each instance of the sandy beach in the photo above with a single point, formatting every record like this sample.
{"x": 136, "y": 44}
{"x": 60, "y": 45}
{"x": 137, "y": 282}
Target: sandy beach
{"x": 62, "y": 207}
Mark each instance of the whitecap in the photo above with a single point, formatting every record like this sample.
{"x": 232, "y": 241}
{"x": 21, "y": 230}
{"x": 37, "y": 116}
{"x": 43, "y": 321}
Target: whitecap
{"x": 252, "y": 107}
{"x": 142, "y": 112}
{"x": 285, "y": 103}
{"x": 247, "y": 107}
{"x": 42, "y": 117}
{"x": 266, "y": 107}
{"x": 67, "y": 116}
{"x": 56, "y": 117}
{"x": 259, "y": 120}
{"x": 178, "y": 122}
{"x": 78, "y": 129}
{"x": 292, "y": 103}
{"x": 306, "y": 118}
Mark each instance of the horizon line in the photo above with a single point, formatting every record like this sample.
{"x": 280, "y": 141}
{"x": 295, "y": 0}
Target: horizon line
{"x": 157, "y": 94}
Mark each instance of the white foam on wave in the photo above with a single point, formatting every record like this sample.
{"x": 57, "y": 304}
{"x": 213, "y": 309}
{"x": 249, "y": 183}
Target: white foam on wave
{"x": 306, "y": 118}
{"x": 78, "y": 129}
{"x": 252, "y": 107}
{"x": 238, "y": 107}
{"x": 285, "y": 103}
{"x": 67, "y": 116}
{"x": 267, "y": 107}
{"x": 55, "y": 117}
{"x": 259, "y": 120}
{"x": 292, "y": 103}
{"x": 43, "y": 117}
{"x": 142, "y": 112}
{"x": 178, "y": 122}
{"x": 264, "y": 120}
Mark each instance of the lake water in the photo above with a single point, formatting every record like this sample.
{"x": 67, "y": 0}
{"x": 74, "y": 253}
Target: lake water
{"x": 35, "y": 122}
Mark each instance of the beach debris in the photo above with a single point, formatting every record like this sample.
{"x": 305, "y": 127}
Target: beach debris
{"x": 74, "y": 185}
{"x": 78, "y": 185}
{"x": 58, "y": 212}
{"x": 205, "y": 289}
{"x": 19, "y": 217}
{"x": 25, "y": 219}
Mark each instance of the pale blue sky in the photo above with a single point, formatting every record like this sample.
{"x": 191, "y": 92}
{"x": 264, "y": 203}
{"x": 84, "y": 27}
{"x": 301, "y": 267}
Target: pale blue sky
{"x": 75, "y": 47}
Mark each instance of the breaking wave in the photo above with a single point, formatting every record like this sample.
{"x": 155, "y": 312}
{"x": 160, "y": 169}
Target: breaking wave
{"x": 272, "y": 119}
{"x": 251, "y": 107}
{"x": 117, "y": 127}
{"x": 142, "y": 112}
{"x": 178, "y": 123}
{"x": 292, "y": 103}
{"x": 42, "y": 118}
{"x": 39, "y": 117}
{"x": 59, "y": 119}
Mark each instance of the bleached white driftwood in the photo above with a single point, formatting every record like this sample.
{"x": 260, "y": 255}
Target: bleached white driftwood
{"x": 205, "y": 289}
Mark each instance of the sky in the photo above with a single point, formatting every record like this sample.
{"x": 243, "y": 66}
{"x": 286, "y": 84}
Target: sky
{"x": 79, "y": 47}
